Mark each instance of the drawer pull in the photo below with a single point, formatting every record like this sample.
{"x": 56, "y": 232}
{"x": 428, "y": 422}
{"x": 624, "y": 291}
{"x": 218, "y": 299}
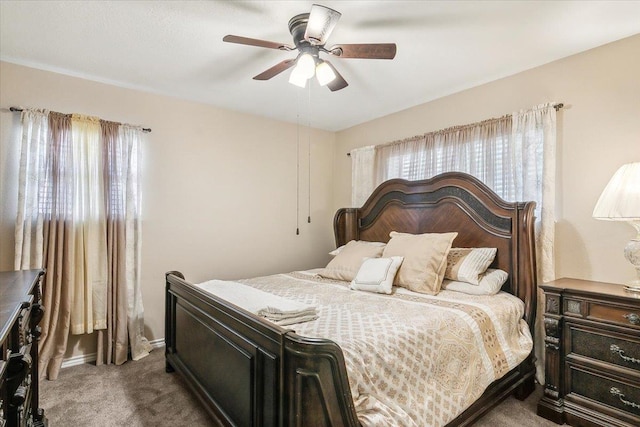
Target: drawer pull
{"x": 633, "y": 318}
{"x": 617, "y": 392}
{"x": 620, "y": 352}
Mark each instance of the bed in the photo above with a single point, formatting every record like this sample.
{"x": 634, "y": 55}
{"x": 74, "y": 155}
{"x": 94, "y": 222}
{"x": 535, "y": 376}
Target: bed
{"x": 248, "y": 371}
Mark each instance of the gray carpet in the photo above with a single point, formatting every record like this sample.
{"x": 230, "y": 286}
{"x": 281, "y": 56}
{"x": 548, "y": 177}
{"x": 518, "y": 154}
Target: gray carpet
{"x": 142, "y": 394}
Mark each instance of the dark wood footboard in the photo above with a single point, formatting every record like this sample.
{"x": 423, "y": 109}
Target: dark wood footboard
{"x": 249, "y": 372}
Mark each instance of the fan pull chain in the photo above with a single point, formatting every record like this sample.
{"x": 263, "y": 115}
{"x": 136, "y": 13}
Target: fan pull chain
{"x": 298, "y": 166}
{"x": 309, "y": 156}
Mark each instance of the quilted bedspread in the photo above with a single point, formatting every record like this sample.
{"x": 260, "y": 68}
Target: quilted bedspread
{"x": 412, "y": 359}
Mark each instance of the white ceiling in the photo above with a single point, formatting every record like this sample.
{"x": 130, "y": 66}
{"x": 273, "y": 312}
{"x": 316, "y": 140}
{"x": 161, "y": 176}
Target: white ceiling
{"x": 175, "y": 48}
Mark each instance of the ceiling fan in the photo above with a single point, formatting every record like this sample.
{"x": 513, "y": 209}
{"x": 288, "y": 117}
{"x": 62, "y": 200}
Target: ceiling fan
{"x": 310, "y": 32}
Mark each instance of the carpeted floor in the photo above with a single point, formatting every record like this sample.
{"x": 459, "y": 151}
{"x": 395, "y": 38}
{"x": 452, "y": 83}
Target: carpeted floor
{"x": 142, "y": 394}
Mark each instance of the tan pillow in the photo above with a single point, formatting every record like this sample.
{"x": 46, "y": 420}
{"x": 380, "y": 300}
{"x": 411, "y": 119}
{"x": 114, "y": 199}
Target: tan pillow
{"x": 339, "y": 249}
{"x": 468, "y": 264}
{"x": 425, "y": 259}
{"x": 347, "y": 262}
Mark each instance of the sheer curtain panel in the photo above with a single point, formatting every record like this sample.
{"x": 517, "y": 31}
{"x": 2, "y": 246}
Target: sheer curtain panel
{"x": 121, "y": 144}
{"x": 89, "y": 293}
{"x": 534, "y": 135}
{"x": 480, "y": 149}
{"x": 45, "y": 226}
{"x": 362, "y": 174}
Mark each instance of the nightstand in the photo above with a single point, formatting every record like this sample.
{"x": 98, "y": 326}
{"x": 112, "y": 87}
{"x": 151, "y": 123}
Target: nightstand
{"x": 592, "y": 354}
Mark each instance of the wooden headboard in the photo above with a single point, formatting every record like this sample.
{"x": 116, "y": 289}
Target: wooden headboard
{"x": 452, "y": 201}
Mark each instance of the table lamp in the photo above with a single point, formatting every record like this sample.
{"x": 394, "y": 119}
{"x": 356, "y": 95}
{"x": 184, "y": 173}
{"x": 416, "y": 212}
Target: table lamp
{"x": 620, "y": 201}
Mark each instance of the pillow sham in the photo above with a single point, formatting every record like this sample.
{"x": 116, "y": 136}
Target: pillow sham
{"x": 376, "y": 275}
{"x": 339, "y": 249}
{"x": 468, "y": 264}
{"x": 490, "y": 284}
{"x": 346, "y": 264}
{"x": 425, "y": 259}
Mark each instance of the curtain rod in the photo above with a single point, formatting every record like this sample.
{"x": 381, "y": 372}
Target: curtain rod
{"x": 556, "y": 106}
{"x": 18, "y": 109}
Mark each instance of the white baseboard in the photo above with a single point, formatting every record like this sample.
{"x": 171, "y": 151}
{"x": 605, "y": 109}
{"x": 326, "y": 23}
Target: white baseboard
{"x": 91, "y": 357}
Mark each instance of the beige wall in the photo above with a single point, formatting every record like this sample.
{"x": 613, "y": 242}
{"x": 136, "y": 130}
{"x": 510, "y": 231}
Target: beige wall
{"x": 219, "y": 186}
{"x": 598, "y": 131}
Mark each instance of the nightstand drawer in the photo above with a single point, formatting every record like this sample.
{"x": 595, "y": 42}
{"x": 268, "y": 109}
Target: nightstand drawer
{"x": 618, "y": 349}
{"x": 620, "y": 315}
{"x": 604, "y": 393}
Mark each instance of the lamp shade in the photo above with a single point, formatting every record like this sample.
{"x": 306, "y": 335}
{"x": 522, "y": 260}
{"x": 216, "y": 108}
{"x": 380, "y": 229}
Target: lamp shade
{"x": 322, "y": 21}
{"x": 620, "y": 200}
{"x": 298, "y": 78}
{"x": 306, "y": 65}
{"x": 324, "y": 73}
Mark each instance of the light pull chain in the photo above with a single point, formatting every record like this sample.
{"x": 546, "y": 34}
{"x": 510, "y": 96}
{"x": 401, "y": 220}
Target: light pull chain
{"x": 298, "y": 165}
{"x": 309, "y": 156}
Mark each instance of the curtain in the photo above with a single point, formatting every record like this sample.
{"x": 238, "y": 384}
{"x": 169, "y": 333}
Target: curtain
{"x": 481, "y": 149}
{"x": 132, "y": 138}
{"x": 45, "y": 226}
{"x": 113, "y": 342}
{"x": 89, "y": 292}
{"x": 534, "y": 135}
{"x": 362, "y": 174}
{"x": 125, "y": 328}
{"x": 79, "y": 217}
{"x": 514, "y": 155}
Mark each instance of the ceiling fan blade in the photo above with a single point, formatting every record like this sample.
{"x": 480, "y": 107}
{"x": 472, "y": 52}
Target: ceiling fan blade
{"x": 339, "y": 82}
{"x": 276, "y": 69}
{"x": 322, "y": 21}
{"x": 365, "y": 50}
{"x": 256, "y": 42}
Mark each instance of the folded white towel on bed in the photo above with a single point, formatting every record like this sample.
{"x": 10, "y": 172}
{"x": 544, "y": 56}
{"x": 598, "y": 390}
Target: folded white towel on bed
{"x": 272, "y": 307}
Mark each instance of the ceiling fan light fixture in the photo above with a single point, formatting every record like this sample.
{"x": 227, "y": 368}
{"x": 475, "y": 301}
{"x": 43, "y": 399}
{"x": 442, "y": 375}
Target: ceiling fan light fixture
{"x": 322, "y": 21}
{"x": 306, "y": 65}
{"x": 324, "y": 73}
{"x": 297, "y": 78}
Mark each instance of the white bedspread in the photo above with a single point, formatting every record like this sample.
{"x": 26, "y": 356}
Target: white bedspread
{"x": 279, "y": 310}
{"x": 412, "y": 359}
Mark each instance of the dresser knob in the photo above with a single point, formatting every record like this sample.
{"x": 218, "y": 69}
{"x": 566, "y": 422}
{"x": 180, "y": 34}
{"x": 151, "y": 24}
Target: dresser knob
{"x": 620, "y": 352}
{"x": 633, "y": 318}
{"x": 616, "y": 392}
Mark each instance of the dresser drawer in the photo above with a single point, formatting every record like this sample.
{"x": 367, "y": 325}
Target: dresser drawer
{"x": 615, "y": 348}
{"x": 604, "y": 392}
{"x": 614, "y": 313}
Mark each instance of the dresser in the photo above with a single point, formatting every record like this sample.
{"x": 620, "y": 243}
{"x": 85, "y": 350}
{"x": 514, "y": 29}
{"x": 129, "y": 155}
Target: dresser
{"x": 592, "y": 354}
{"x": 20, "y": 312}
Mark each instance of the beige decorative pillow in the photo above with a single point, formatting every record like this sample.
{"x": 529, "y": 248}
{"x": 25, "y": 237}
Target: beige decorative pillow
{"x": 468, "y": 264}
{"x": 376, "y": 275}
{"x": 425, "y": 259}
{"x": 347, "y": 262}
{"x": 490, "y": 284}
{"x": 339, "y": 249}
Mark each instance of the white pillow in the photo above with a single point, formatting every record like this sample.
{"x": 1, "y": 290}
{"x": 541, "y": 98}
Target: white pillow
{"x": 377, "y": 274}
{"x": 339, "y": 249}
{"x": 490, "y": 284}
